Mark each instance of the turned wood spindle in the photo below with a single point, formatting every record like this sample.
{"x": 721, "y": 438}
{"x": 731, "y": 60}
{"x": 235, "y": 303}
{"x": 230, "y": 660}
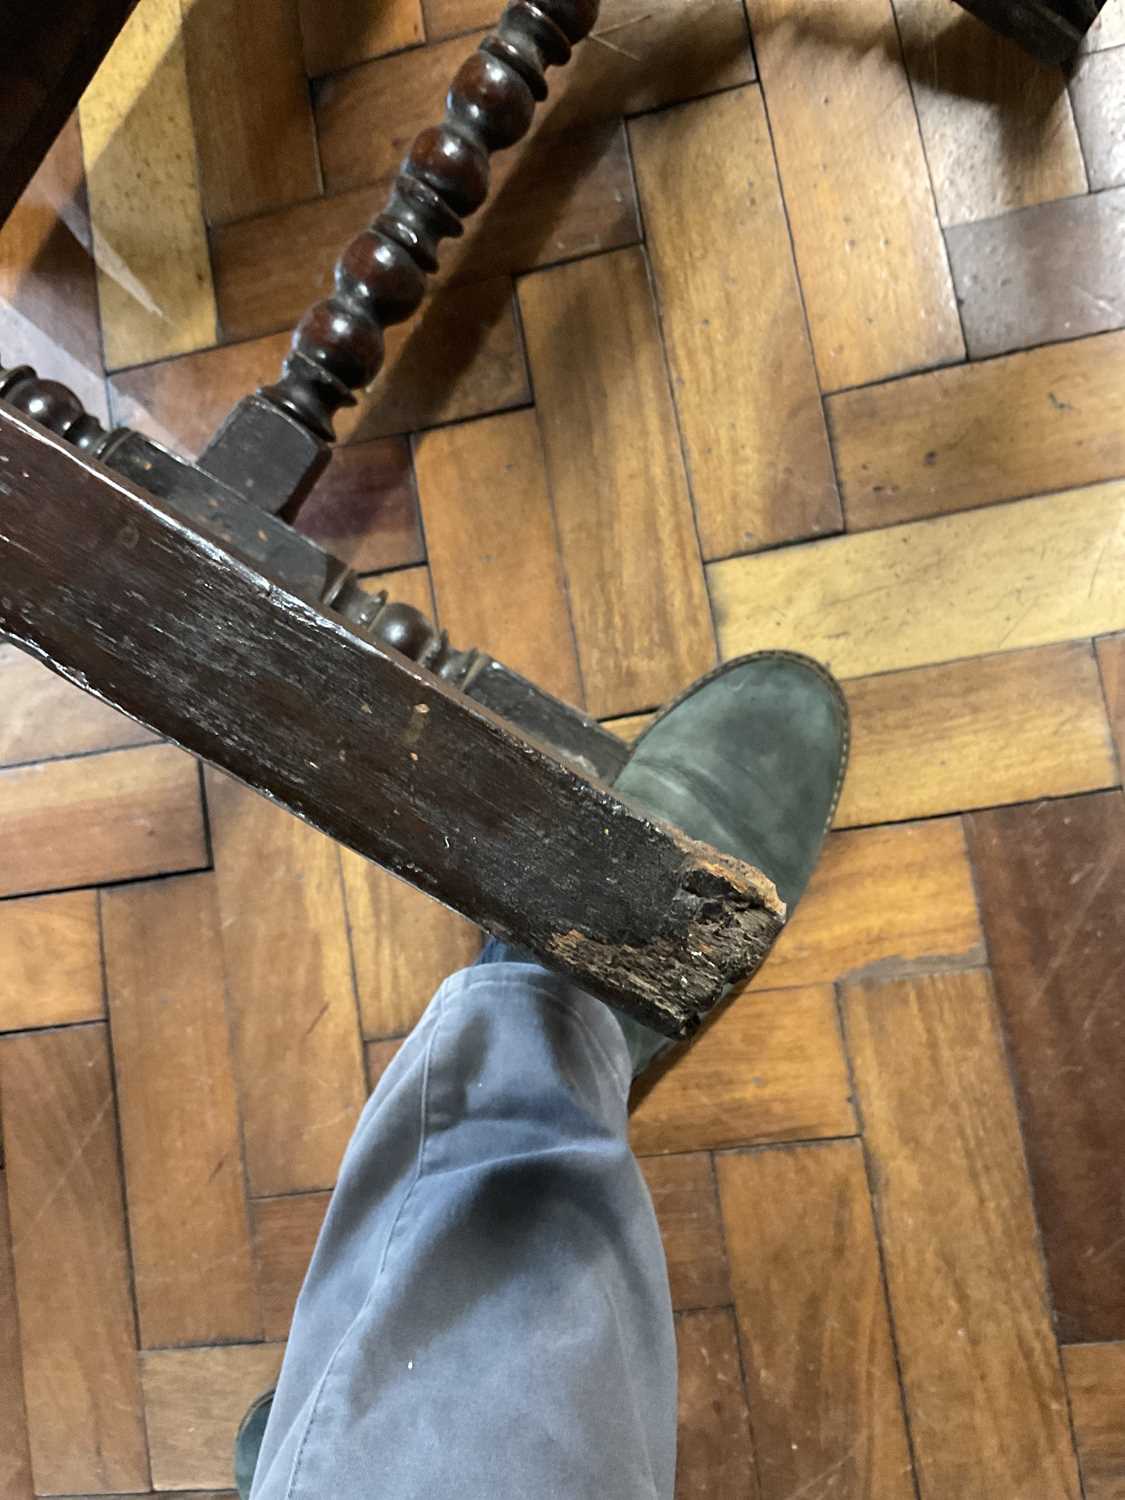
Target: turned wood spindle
{"x": 54, "y": 406}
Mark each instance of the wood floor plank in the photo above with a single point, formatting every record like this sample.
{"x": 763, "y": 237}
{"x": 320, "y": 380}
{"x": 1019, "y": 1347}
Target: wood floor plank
{"x": 493, "y": 547}
{"x": 100, "y": 818}
{"x": 249, "y": 105}
{"x": 1005, "y": 429}
{"x": 194, "y": 1401}
{"x": 154, "y": 290}
{"x": 812, "y": 1316}
{"x": 52, "y": 969}
{"x": 378, "y": 1057}
{"x": 743, "y": 378}
{"x": 1003, "y": 268}
{"x": 365, "y": 508}
{"x": 1098, "y": 91}
{"x": 556, "y": 197}
{"x": 715, "y": 1453}
{"x": 1095, "y": 1377}
{"x": 647, "y": 57}
{"x": 285, "y": 1231}
{"x": 687, "y": 1208}
{"x": 882, "y": 900}
{"x": 976, "y": 733}
{"x": 869, "y": 248}
{"x": 15, "y": 1454}
{"x": 771, "y": 1068}
{"x": 77, "y": 1332}
{"x": 45, "y": 716}
{"x": 1111, "y": 660}
{"x": 351, "y": 31}
{"x": 997, "y": 125}
{"x": 298, "y": 1060}
{"x": 616, "y": 472}
{"x": 979, "y": 1363}
{"x": 189, "y": 1227}
{"x": 1050, "y": 877}
{"x": 1024, "y": 574}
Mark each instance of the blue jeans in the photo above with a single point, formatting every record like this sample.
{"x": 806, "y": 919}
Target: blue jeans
{"x": 487, "y": 1312}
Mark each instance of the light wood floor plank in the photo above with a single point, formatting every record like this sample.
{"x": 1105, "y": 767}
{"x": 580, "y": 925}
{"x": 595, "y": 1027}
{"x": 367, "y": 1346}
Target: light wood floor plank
{"x": 77, "y": 1332}
{"x": 616, "y": 472}
{"x": 1015, "y": 575}
{"x": 972, "y": 1317}
{"x": 812, "y": 1317}
{"x": 15, "y": 1455}
{"x": 715, "y": 1452}
{"x": 45, "y": 716}
{"x": 1098, "y": 91}
{"x": 687, "y": 1210}
{"x": 285, "y": 1231}
{"x": 189, "y": 1230}
{"x": 1095, "y": 1377}
{"x": 1111, "y": 661}
{"x": 52, "y": 969}
{"x": 350, "y": 31}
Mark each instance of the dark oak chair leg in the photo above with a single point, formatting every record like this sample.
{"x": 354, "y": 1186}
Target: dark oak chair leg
{"x": 1051, "y": 30}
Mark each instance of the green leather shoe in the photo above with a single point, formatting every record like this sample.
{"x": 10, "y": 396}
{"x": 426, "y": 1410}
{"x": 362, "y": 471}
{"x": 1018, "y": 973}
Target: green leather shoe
{"x": 248, "y": 1443}
{"x": 751, "y": 760}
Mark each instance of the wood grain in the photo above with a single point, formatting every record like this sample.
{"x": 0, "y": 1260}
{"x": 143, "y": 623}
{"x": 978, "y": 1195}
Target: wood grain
{"x": 350, "y": 31}
{"x": 715, "y": 1454}
{"x": 1098, "y": 91}
{"x": 99, "y": 818}
{"x": 154, "y": 286}
{"x": 378, "y": 1057}
{"x": 298, "y": 1061}
{"x": 743, "y": 378}
{"x": 882, "y": 900}
{"x": 977, "y": 434}
{"x": 52, "y": 969}
{"x": 1050, "y": 877}
{"x": 972, "y": 1318}
{"x": 1095, "y": 1378}
{"x": 869, "y": 249}
{"x": 812, "y": 1316}
{"x": 15, "y": 1455}
{"x": 1015, "y": 575}
{"x": 687, "y": 1209}
{"x": 641, "y": 617}
{"x": 192, "y": 1264}
{"x": 554, "y": 198}
{"x": 976, "y": 733}
{"x": 490, "y": 533}
{"x": 285, "y": 1231}
{"x": 997, "y": 125}
{"x": 45, "y": 716}
{"x": 1111, "y": 661}
{"x": 194, "y": 1401}
{"x": 250, "y": 107}
{"x": 77, "y": 1333}
{"x": 771, "y": 1068}
{"x": 1002, "y": 268}
{"x": 365, "y": 509}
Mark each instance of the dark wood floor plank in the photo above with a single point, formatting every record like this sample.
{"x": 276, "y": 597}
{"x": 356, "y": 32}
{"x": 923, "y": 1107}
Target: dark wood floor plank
{"x": 1050, "y": 877}
{"x": 1111, "y": 661}
{"x": 974, "y": 435}
{"x": 364, "y": 508}
{"x": 614, "y": 464}
{"x": 192, "y": 1264}
{"x": 100, "y": 818}
{"x": 1003, "y": 271}
{"x": 15, "y": 1454}
{"x": 687, "y": 1208}
{"x": 77, "y": 1332}
{"x": 771, "y": 1068}
{"x": 1095, "y": 1377}
{"x": 972, "y": 1315}
{"x": 813, "y": 1323}
{"x": 299, "y": 1064}
{"x": 743, "y": 377}
{"x": 346, "y": 32}
{"x": 251, "y": 116}
{"x": 715, "y": 1453}
{"x": 52, "y": 969}
{"x": 285, "y": 1231}
{"x": 45, "y": 716}
{"x": 1098, "y": 91}
{"x": 493, "y": 547}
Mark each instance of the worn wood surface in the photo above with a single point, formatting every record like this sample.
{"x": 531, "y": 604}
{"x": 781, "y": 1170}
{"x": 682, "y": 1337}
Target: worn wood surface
{"x": 812, "y": 1315}
{"x": 15, "y": 1455}
{"x": 364, "y": 509}
{"x": 687, "y": 1210}
{"x": 1095, "y": 1378}
{"x": 1111, "y": 663}
{"x": 1098, "y": 92}
{"x": 192, "y": 1271}
{"x": 52, "y": 969}
{"x": 285, "y": 1231}
{"x": 45, "y": 716}
{"x": 351, "y": 31}
{"x": 987, "y": 1411}
{"x": 1058, "y": 981}
{"x": 715, "y": 1452}
{"x": 77, "y": 1331}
